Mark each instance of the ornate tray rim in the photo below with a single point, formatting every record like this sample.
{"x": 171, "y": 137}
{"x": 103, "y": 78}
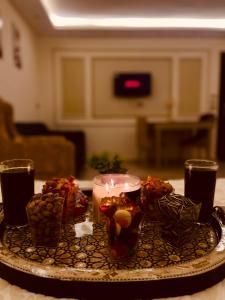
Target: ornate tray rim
{"x": 153, "y": 277}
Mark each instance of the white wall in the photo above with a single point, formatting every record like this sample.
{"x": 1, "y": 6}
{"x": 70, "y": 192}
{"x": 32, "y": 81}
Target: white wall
{"x": 19, "y": 86}
{"x": 118, "y": 135}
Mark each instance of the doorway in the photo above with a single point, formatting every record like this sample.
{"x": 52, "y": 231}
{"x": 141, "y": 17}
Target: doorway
{"x": 221, "y": 116}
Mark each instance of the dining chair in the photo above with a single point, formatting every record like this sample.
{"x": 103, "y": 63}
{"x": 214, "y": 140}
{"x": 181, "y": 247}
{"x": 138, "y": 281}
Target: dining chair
{"x": 197, "y": 145}
{"x": 144, "y": 139}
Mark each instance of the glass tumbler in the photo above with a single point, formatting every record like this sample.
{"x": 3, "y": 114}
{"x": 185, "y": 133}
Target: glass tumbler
{"x": 44, "y": 214}
{"x": 200, "y": 182}
{"x": 17, "y": 187}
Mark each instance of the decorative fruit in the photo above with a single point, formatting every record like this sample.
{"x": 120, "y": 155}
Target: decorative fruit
{"x": 118, "y": 229}
{"x": 123, "y": 215}
{"x": 123, "y": 218}
{"x": 62, "y": 186}
{"x": 75, "y": 203}
{"x": 155, "y": 187}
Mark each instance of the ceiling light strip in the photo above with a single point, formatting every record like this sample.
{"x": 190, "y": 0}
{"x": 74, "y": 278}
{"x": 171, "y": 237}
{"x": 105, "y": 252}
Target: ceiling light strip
{"x": 155, "y": 23}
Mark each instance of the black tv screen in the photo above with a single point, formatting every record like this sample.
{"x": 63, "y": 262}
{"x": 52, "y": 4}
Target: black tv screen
{"x": 132, "y": 84}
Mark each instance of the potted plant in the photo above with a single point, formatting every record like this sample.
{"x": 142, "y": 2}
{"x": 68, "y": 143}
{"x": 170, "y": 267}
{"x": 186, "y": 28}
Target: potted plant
{"x": 105, "y": 163}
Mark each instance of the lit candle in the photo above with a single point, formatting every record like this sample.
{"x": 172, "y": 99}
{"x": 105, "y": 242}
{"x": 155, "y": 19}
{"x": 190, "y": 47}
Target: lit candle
{"x": 109, "y": 185}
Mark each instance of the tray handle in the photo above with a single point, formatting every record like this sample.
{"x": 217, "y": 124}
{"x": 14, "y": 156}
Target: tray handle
{"x": 219, "y": 214}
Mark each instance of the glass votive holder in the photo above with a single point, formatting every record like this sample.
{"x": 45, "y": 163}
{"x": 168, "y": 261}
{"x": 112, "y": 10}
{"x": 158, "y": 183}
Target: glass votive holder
{"x": 108, "y": 185}
{"x": 123, "y": 224}
{"x": 44, "y": 213}
{"x": 116, "y": 200}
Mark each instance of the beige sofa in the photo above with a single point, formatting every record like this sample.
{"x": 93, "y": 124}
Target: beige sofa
{"x": 53, "y": 155}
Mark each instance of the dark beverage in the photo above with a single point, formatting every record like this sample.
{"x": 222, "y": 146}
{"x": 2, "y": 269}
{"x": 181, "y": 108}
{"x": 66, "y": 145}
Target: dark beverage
{"x": 17, "y": 186}
{"x": 200, "y": 187}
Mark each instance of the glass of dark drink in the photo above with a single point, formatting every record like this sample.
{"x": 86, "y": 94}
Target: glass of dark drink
{"x": 17, "y": 187}
{"x": 200, "y": 183}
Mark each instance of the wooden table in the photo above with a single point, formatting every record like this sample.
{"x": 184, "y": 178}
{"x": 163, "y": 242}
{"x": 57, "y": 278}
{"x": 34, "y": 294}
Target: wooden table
{"x": 161, "y": 127}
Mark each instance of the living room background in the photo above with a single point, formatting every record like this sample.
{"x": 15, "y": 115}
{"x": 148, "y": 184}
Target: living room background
{"x": 66, "y": 82}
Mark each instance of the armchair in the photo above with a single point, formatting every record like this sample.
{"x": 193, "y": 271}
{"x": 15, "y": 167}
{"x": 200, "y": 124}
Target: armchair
{"x": 77, "y": 137}
{"x": 53, "y": 155}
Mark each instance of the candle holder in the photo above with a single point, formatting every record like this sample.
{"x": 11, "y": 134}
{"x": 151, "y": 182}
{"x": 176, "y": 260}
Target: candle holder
{"x": 109, "y": 185}
{"x": 116, "y": 197}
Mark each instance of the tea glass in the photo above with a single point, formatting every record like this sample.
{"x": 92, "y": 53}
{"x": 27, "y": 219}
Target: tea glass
{"x": 17, "y": 187}
{"x": 200, "y": 183}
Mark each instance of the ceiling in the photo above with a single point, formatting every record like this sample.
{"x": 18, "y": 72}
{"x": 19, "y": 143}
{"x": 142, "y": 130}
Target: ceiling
{"x": 35, "y": 14}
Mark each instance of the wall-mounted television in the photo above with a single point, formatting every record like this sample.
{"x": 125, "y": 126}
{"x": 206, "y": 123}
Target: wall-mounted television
{"x": 132, "y": 84}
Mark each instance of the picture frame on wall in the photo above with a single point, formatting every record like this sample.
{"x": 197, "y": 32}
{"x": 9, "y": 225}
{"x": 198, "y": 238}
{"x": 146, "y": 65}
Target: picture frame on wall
{"x": 16, "y": 40}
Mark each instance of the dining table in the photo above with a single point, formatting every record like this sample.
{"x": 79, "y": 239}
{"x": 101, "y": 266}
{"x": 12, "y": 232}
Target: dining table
{"x": 216, "y": 292}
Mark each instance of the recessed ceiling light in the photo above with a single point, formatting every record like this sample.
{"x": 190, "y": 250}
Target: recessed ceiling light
{"x": 117, "y": 23}
{"x": 89, "y": 22}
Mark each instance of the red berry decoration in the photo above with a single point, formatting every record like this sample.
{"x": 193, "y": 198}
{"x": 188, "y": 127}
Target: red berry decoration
{"x": 75, "y": 203}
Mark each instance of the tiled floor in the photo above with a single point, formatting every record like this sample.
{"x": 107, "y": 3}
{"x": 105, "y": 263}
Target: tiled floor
{"x": 143, "y": 170}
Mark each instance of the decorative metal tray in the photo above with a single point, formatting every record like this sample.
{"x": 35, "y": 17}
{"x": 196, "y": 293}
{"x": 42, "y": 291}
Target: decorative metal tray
{"x": 80, "y": 266}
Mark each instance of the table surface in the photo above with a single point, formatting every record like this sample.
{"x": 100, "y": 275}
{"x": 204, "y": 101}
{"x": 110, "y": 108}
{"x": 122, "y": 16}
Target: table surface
{"x": 216, "y": 292}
